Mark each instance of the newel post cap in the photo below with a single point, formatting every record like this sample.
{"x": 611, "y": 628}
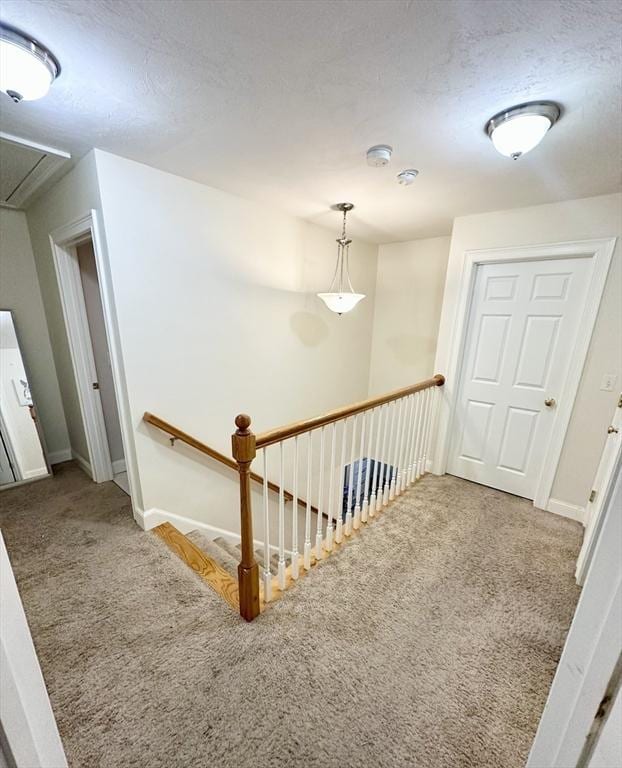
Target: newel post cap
{"x": 243, "y": 440}
{"x": 243, "y": 422}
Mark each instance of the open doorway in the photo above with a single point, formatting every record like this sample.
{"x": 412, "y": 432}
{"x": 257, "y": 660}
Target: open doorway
{"x": 104, "y": 384}
{"x": 84, "y": 310}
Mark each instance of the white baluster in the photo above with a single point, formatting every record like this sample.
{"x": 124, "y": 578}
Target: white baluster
{"x": 382, "y": 469}
{"x": 373, "y": 503}
{"x": 328, "y": 544}
{"x": 436, "y": 397}
{"x": 400, "y": 446}
{"x": 357, "y": 500}
{"x": 307, "y": 547}
{"x": 342, "y": 481}
{"x": 406, "y": 443}
{"x": 351, "y": 479}
{"x": 412, "y": 472}
{"x": 397, "y": 472}
{"x": 295, "y": 565}
{"x": 318, "y": 533}
{"x": 428, "y": 434}
{"x": 399, "y": 420}
{"x": 422, "y": 428}
{"x": 424, "y": 469}
{"x": 267, "y": 576}
{"x": 365, "y": 507}
{"x": 386, "y": 487}
{"x": 421, "y": 396}
{"x": 281, "y": 570}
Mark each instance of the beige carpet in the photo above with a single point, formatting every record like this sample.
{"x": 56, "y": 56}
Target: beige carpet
{"x": 430, "y": 641}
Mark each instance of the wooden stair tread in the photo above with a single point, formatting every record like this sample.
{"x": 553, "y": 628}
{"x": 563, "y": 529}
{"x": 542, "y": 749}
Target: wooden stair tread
{"x": 215, "y": 551}
{"x": 222, "y": 582}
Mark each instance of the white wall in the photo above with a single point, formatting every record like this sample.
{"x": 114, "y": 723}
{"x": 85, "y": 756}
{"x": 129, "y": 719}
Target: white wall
{"x": 409, "y": 296}
{"x": 20, "y": 292}
{"x": 69, "y": 200}
{"x": 215, "y": 299}
{"x": 584, "y": 219}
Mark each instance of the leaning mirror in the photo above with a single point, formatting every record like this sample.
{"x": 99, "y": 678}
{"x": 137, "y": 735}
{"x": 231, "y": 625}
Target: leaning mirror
{"x": 22, "y": 456}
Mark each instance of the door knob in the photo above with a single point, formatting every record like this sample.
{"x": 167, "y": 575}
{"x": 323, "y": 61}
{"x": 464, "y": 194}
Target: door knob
{"x": 549, "y": 402}
{"x": 612, "y": 431}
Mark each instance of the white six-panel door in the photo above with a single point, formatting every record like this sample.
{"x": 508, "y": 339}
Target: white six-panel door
{"x": 522, "y": 326}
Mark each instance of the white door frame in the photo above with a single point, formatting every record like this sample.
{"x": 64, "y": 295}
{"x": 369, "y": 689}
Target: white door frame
{"x": 591, "y": 652}
{"x": 63, "y": 242}
{"x": 600, "y": 252}
{"x": 27, "y": 719}
{"x": 6, "y": 440}
{"x": 612, "y": 453}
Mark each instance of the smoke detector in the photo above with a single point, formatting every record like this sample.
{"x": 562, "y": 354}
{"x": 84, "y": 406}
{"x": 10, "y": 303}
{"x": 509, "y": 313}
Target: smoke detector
{"x": 407, "y": 177}
{"x": 379, "y": 155}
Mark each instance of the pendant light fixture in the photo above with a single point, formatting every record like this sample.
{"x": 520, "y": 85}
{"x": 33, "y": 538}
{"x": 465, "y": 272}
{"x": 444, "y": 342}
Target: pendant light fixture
{"x": 519, "y": 129}
{"x": 27, "y": 69}
{"x": 341, "y": 297}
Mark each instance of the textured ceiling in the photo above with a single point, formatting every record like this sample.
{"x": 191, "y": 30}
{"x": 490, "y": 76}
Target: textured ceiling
{"x": 278, "y": 101}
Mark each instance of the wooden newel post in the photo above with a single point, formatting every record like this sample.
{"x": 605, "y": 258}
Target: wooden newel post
{"x": 243, "y": 443}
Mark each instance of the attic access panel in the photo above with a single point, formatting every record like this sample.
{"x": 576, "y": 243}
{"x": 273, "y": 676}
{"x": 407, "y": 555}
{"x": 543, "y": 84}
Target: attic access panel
{"x": 24, "y": 168}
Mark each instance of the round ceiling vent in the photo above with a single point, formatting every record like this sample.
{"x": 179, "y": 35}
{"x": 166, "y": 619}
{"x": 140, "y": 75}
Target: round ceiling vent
{"x": 379, "y": 155}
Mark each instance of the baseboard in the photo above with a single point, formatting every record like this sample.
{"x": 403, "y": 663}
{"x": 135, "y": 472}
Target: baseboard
{"x": 153, "y": 517}
{"x": 564, "y": 509}
{"x": 57, "y": 457}
{"x": 32, "y": 473}
{"x": 118, "y": 466}
{"x": 83, "y": 463}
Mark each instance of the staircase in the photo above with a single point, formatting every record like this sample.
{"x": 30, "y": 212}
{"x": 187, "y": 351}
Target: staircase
{"x": 352, "y": 463}
{"x": 228, "y": 555}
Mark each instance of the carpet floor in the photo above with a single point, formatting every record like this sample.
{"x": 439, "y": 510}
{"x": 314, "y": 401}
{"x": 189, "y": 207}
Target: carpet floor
{"x": 430, "y": 641}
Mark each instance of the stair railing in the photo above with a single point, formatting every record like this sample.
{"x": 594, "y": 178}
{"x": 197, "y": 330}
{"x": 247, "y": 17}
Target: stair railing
{"x": 175, "y": 434}
{"x": 387, "y": 441}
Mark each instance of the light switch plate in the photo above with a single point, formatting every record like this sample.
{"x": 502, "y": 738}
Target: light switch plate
{"x": 608, "y": 382}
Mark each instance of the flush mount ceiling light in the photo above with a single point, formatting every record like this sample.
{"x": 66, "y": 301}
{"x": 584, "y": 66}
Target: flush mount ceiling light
{"x": 341, "y": 297}
{"x": 27, "y": 69}
{"x": 519, "y": 129}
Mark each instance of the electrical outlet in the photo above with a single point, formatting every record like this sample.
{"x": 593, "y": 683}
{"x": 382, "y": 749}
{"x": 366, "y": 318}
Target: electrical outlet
{"x": 608, "y": 382}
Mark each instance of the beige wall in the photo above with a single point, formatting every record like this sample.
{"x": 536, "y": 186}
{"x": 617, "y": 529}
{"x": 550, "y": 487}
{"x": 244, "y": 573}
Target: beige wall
{"x": 596, "y": 217}
{"x": 409, "y": 294}
{"x": 217, "y": 313}
{"x": 20, "y": 292}
{"x": 67, "y": 201}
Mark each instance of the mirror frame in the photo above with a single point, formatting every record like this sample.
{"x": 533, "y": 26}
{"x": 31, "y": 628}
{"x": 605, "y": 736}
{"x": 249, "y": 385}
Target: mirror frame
{"x": 36, "y": 420}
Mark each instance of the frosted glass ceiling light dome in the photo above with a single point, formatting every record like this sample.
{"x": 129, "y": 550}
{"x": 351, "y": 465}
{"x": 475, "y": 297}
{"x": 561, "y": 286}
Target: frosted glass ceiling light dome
{"x": 27, "y": 69}
{"x": 341, "y": 296}
{"x": 519, "y": 129}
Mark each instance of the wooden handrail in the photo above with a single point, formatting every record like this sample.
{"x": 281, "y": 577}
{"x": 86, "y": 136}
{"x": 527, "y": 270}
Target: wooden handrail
{"x": 178, "y": 434}
{"x": 299, "y": 427}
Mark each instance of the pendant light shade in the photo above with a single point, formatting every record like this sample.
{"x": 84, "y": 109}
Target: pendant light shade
{"x": 341, "y": 296}
{"x": 341, "y": 302}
